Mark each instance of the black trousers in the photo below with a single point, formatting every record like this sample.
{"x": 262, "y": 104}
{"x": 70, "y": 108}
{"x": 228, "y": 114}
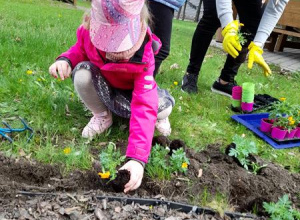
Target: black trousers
{"x": 250, "y": 13}
{"x": 162, "y": 17}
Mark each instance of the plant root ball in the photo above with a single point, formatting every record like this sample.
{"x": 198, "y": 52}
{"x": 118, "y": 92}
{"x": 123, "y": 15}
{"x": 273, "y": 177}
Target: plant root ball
{"x": 123, "y": 177}
{"x": 176, "y": 144}
{"x": 161, "y": 140}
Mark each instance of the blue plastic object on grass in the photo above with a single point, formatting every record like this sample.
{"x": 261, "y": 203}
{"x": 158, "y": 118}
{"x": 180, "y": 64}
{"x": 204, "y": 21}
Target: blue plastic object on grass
{"x": 4, "y": 132}
{"x": 252, "y": 122}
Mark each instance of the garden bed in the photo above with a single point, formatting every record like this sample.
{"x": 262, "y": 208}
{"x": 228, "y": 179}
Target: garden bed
{"x": 220, "y": 174}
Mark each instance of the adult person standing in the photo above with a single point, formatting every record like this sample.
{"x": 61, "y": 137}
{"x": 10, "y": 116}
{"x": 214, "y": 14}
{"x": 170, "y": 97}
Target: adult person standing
{"x": 256, "y": 25}
{"x": 162, "y": 18}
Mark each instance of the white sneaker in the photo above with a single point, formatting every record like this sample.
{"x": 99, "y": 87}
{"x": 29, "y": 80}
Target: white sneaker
{"x": 163, "y": 126}
{"x": 98, "y": 124}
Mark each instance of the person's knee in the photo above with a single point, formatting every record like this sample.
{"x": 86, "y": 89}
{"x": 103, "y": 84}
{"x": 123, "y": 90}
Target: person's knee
{"x": 164, "y": 113}
{"x": 82, "y": 78}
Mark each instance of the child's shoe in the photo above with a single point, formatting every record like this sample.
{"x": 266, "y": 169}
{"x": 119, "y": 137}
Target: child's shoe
{"x": 98, "y": 124}
{"x": 163, "y": 126}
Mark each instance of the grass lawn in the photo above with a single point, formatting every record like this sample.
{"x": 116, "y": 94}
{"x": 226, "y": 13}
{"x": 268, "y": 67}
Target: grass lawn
{"x": 35, "y": 32}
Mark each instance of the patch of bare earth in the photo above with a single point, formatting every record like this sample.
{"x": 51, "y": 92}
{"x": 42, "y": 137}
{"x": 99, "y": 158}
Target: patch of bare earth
{"x": 220, "y": 174}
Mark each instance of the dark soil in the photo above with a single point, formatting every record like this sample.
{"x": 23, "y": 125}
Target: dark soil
{"x": 175, "y": 145}
{"x": 161, "y": 140}
{"x": 123, "y": 177}
{"x": 220, "y": 174}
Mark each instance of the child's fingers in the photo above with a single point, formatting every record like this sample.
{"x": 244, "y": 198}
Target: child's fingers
{"x": 60, "y": 71}
{"x": 52, "y": 70}
{"x": 129, "y": 186}
{"x": 69, "y": 70}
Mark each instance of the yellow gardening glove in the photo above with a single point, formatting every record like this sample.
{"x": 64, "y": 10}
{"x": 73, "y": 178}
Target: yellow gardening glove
{"x": 231, "y": 42}
{"x": 255, "y": 55}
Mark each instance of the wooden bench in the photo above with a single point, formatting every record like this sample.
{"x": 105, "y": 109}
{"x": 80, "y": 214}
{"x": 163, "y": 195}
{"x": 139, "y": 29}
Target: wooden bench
{"x": 288, "y": 25}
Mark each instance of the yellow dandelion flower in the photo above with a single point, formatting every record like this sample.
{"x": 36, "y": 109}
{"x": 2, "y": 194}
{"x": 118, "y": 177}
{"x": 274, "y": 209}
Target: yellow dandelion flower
{"x": 184, "y": 165}
{"x": 292, "y": 122}
{"x": 67, "y": 150}
{"x": 29, "y": 72}
{"x": 282, "y": 99}
{"x": 290, "y": 118}
{"x": 175, "y": 83}
{"x": 105, "y": 175}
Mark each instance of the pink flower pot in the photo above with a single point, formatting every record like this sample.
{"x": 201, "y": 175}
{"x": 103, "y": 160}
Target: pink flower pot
{"x": 237, "y": 92}
{"x": 265, "y": 125}
{"x": 247, "y": 107}
{"x": 291, "y": 134}
{"x": 278, "y": 133}
{"x": 297, "y": 134}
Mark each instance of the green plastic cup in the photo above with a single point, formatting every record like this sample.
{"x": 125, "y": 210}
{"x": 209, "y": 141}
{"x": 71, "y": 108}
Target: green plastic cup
{"x": 236, "y": 103}
{"x": 248, "y": 92}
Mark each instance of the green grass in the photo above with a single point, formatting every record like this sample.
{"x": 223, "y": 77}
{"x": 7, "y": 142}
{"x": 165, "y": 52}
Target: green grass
{"x": 35, "y": 32}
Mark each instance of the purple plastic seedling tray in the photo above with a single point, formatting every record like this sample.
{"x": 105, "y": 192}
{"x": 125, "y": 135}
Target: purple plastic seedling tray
{"x": 252, "y": 122}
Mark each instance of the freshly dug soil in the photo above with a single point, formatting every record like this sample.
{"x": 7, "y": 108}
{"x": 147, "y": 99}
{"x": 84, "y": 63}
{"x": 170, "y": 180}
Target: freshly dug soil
{"x": 123, "y": 177}
{"x": 175, "y": 145}
{"x": 220, "y": 174}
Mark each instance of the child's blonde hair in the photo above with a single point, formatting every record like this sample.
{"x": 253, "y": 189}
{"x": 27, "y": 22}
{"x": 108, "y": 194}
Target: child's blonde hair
{"x": 145, "y": 16}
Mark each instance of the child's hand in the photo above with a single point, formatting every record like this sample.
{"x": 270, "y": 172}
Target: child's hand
{"x": 136, "y": 175}
{"x": 62, "y": 67}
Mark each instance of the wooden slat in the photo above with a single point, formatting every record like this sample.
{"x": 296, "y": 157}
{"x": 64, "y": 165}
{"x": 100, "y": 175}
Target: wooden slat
{"x": 291, "y": 14}
{"x": 291, "y": 33}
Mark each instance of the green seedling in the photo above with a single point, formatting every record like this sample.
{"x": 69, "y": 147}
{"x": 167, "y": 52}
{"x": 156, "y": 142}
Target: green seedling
{"x": 178, "y": 161}
{"x": 110, "y": 159}
{"x": 157, "y": 166}
{"x": 161, "y": 165}
{"x": 242, "y": 38}
{"x": 282, "y": 209}
{"x": 243, "y": 149}
{"x": 256, "y": 167}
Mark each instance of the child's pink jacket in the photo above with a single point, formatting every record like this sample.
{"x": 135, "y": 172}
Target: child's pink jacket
{"x": 136, "y": 76}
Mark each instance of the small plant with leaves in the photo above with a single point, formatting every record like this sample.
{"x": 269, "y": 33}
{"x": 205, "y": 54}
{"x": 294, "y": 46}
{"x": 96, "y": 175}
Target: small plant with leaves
{"x": 243, "y": 148}
{"x": 242, "y": 38}
{"x": 285, "y": 122}
{"x": 282, "y": 209}
{"x": 178, "y": 161}
{"x": 110, "y": 159}
{"x": 284, "y": 114}
{"x": 256, "y": 167}
{"x": 161, "y": 165}
{"x": 157, "y": 166}
{"x": 281, "y": 108}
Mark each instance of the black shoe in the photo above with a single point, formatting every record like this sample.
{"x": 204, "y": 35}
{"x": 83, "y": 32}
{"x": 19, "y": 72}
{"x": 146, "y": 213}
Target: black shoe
{"x": 226, "y": 89}
{"x": 189, "y": 83}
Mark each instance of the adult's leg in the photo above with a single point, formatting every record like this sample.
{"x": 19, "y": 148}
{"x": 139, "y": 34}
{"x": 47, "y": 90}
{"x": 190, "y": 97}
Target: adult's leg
{"x": 202, "y": 37}
{"x": 250, "y": 13}
{"x": 162, "y": 28}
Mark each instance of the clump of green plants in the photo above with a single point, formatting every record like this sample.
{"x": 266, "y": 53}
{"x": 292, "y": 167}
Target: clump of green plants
{"x": 243, "y": 148}
{"x": 110, "y": 159}
{"x": 282, "y": 209}
{"x": 242, "y": 38}
{"x": 161, "y": 165}
{"x": 284, "y": 115}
